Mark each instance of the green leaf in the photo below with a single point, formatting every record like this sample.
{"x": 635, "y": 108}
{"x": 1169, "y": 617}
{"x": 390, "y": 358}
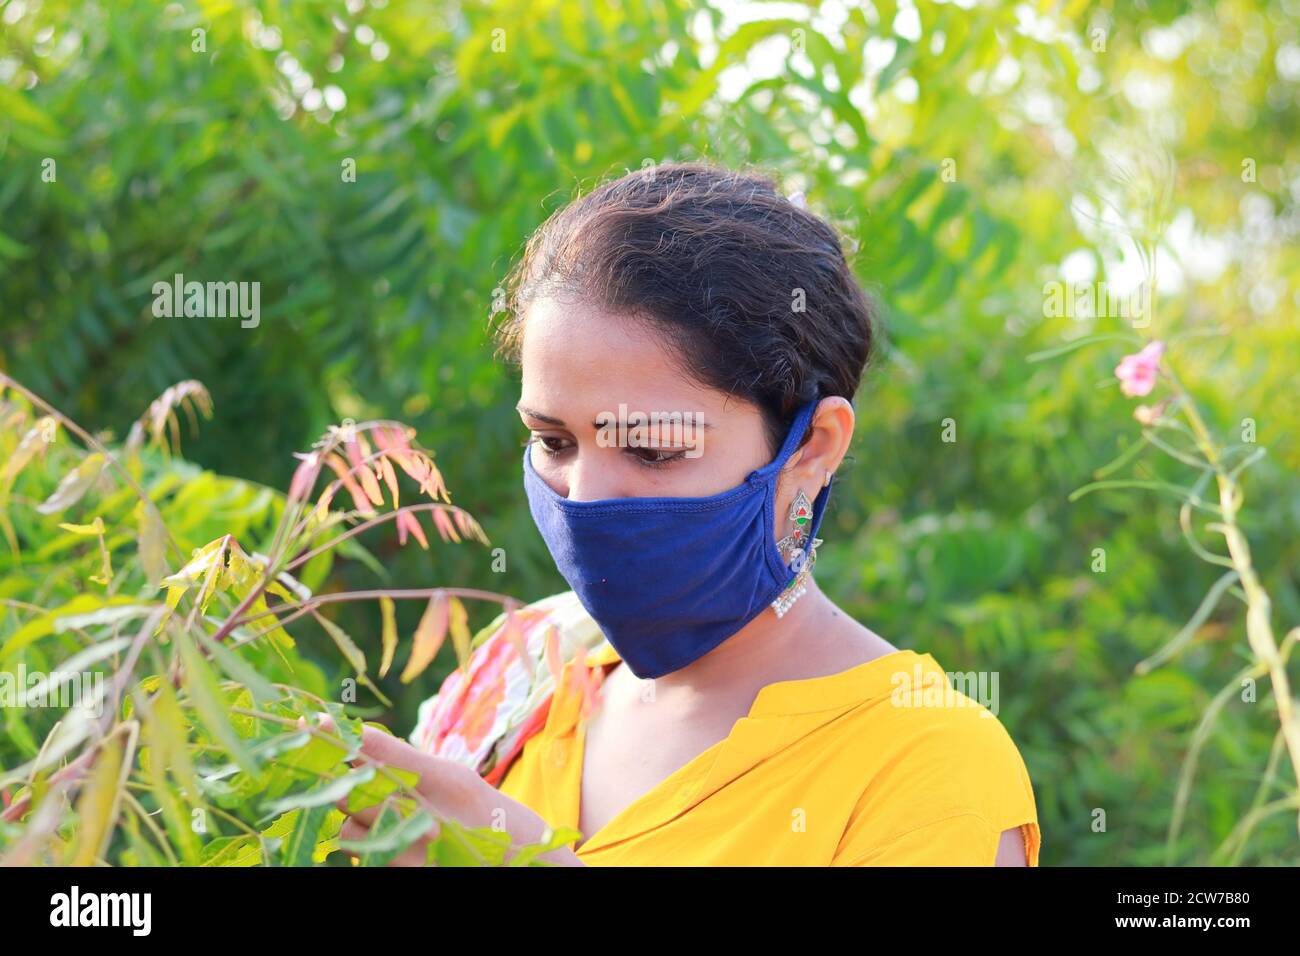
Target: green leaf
{"x": 389, "y": 836}
{"x": 1080, "y": 343}
{"x": 152, "y": 543}
{"x": 316, "y": 760}
{"x": 205, "y": 695}
{"x": 344, "y": 643}
{"x": 325, "y": 795}
{"x": 45, "y": 624}
{"x": 301, "y": 842}
{"x": 232, "y": 851}
{"x": 552, "y": 839}
{"x": 73, "y": 486}
{"x": 98, "y": 805}
{"x": 240, "y": 670}
{"x": 459, "y": 845}
{"x": 389, "y": 632}
{"x": 373, "y": 792}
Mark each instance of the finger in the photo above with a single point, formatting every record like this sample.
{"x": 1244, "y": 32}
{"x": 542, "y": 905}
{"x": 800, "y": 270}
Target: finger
{"x": 353, "y": 829}
{"x": 412, "y": 856}
{"x": 380, "y": 745}
{"x": 369, "y": 815}
{"x": 386, "y": 748}
{"x": 444, "y": 781}
{"x": 322, "y": 721}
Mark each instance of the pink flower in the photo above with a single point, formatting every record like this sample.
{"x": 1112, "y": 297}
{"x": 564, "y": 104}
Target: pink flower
{"x": 1137, "y": 373}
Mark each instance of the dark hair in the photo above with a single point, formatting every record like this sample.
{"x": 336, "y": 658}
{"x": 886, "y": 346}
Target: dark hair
{"x": 715, "y": 259}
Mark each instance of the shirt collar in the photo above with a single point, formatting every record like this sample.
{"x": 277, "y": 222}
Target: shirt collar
{"x": 782, "y": 714}
{"x": 873, "y": 679}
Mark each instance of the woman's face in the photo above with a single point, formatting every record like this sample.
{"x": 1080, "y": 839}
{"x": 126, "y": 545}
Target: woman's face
{"x": 580, "y": 363}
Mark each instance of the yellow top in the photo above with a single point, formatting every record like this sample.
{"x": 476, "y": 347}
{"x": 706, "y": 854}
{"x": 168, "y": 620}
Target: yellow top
{"x": 883, "y": 764}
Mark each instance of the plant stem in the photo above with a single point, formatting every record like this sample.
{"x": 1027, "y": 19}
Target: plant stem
{"x": 1259, "y": 627}
{"x": 91, "y": 441}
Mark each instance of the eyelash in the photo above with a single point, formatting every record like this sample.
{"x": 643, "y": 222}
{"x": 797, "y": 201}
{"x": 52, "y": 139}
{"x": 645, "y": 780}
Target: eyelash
{"x": 659, "y": 463}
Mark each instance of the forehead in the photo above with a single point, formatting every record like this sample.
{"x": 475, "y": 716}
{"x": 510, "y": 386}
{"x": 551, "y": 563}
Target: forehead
{"x": 577, "y": 357}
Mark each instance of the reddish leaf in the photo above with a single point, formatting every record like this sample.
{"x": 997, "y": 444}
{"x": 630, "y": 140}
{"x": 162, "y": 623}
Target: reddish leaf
{"x": 429, "y": 635}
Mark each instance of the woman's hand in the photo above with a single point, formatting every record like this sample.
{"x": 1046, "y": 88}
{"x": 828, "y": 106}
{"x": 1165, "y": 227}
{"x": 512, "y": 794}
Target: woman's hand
{"x": 446, "y": 789}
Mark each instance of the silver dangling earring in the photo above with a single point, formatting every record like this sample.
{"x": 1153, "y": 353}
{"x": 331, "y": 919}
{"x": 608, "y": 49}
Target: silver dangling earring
{"x": 791, "y": 548}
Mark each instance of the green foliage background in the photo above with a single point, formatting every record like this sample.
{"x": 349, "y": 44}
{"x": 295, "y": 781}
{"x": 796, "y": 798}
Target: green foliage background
{"x": 376, "y": 297}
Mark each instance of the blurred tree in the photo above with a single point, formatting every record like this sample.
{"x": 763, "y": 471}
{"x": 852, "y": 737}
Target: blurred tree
{"x": 375, "y": 167}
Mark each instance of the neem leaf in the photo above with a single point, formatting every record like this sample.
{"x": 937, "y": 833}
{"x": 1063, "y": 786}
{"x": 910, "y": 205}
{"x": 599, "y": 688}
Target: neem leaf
{"x": 315, "y": 759}
{"x": 152, "y": 543}
{"x": 458, "y": 845}
{"x": 348, "y": 729}
{"x": 205, "y": 695}
{"x": 345, "y": 644}
{"x": 429, "y": 635}
{"x": 390, "y": 834}
{"x": 232, "y": 851}
{"x": 327, "y": 794}
{"x": 301, "y": 840}
{"x": 96, "y": 527}
{"x": 200, "y": 564}
{"x": 459, "y": 624}
{"x": 387, "y": 612}
{"x": 373, "y": 792}
{"x": 44, "y": 624}
{"x": 73, "y": 486}
{"x": 98, "y": 805}
{"x": 240, "y": 670}
{"x": 552, "y": 839}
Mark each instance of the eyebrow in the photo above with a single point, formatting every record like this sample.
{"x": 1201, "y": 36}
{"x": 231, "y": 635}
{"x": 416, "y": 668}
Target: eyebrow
{"x": 523, "y": 409}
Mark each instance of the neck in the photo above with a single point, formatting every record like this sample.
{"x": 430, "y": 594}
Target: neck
{"x": 764, "y": 647}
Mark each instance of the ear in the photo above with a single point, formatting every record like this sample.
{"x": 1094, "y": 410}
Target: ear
{"x": 832, "y": 432}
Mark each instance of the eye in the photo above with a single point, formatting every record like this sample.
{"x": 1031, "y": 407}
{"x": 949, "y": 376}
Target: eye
{"x": 544, "y": 442}
{"x": 646, "y": 457}
{"x": 655, "y": 457}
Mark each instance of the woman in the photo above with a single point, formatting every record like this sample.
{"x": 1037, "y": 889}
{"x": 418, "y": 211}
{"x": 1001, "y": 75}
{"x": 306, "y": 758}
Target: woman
{"x": 713, "y": 706}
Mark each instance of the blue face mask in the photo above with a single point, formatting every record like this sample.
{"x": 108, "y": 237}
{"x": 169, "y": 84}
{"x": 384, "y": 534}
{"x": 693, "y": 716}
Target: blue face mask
{"x": 669, "y": 579}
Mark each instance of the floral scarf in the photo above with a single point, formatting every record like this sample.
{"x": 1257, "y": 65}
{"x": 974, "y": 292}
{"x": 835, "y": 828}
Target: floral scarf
{"x": 486, "y": 710}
